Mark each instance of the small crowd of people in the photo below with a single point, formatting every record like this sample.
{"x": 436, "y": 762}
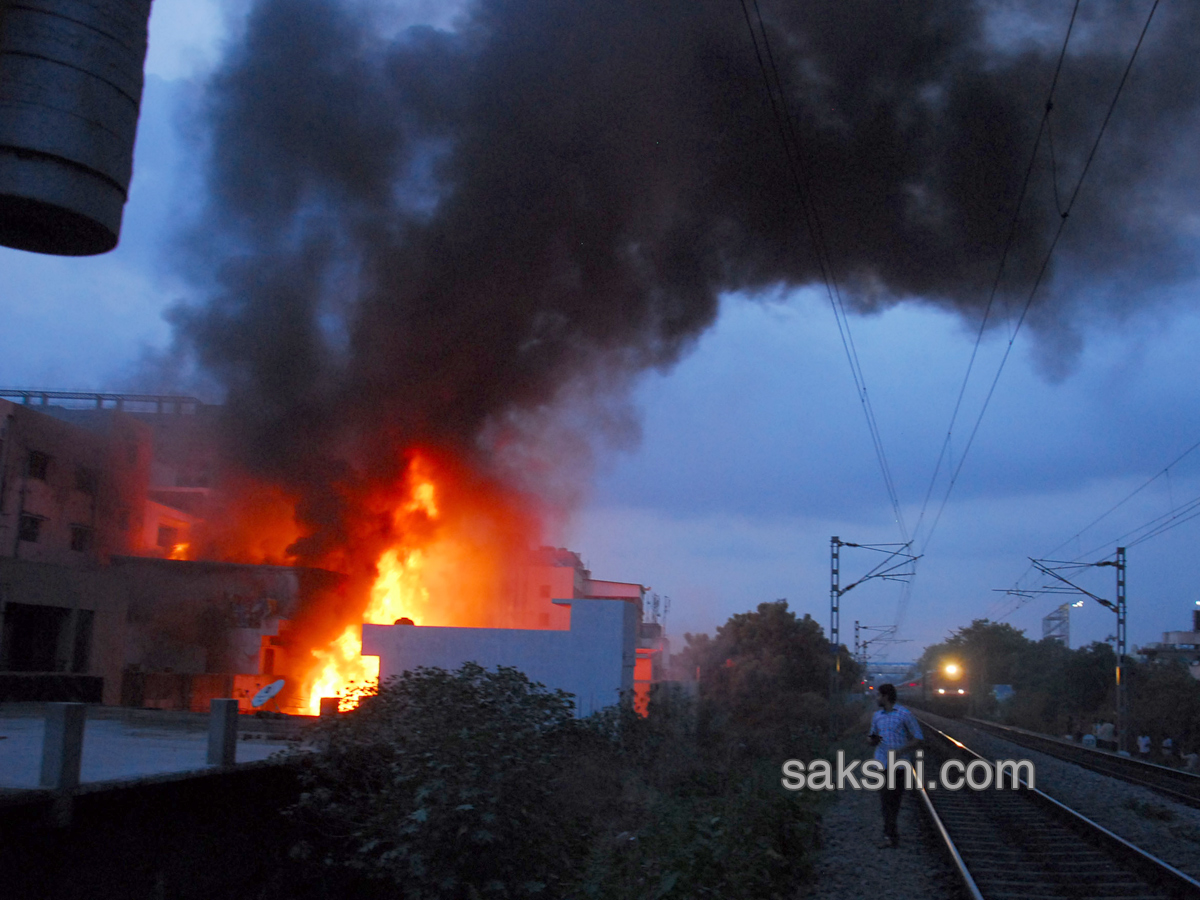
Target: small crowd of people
{"x": 1189, "y": 761}
{"x": 1103, "y": 736}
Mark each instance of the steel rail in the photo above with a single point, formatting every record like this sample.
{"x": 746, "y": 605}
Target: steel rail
{"x": 1182, "y": 787}
{"x": 1162, "y": 873}
{"x": 951, "y": 849}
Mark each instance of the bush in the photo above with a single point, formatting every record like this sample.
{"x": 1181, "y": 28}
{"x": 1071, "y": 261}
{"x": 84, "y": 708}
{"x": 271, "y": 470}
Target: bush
{"x": 693, "y": 819}
{"x": 443, "y": 785}
{"x": 749, "y": 843}
{"x": 479, "y": 784}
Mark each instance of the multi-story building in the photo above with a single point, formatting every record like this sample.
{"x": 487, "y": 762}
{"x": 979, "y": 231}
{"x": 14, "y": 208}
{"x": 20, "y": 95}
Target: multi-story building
{"x": 91, "y": 499}
{"x": 100, "y": 599}
{"x": 1182, "y": 647}
{"x": 69, "y": 495}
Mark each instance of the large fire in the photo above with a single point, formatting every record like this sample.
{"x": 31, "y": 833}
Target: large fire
{"x": 398, "y": 592}
{"x": 449, "y": 560}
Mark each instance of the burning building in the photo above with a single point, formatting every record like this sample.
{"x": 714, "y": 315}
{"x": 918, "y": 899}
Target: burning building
{"x": 431, "y": 262}
{"x": 97, "y": 509}
{"x": 136, "y": 570}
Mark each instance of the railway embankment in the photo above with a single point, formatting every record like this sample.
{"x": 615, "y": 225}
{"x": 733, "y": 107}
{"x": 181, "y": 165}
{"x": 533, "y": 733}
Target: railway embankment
{"x": 1141, "y": 816}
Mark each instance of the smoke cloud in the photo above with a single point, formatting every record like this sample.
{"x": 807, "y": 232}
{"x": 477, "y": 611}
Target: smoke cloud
{"x": 421, "y": 236}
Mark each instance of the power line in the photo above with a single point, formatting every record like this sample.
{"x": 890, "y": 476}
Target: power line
{"x": 1045, "y": 262}
{"x": 1062, "y": 224}
{"x": 1010, "y": 236}
{"x": 1008, "y": 243}
{"x": 1112, "y": 509}
{"x": 1156, "y": 526}
{"x": 802, "y": 183}
{"x": 1171, "y": 515}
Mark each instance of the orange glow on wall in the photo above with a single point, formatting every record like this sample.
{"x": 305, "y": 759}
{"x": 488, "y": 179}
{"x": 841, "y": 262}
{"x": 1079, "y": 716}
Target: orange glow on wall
{"x": 452, "y": 558}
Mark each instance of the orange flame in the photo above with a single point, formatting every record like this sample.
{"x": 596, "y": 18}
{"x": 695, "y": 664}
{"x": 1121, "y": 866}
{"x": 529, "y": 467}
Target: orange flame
{"x": 398, "y": 592}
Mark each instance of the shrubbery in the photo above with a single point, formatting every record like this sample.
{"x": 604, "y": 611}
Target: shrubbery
{"x": 444, "y": 784}
{"x": 479, "y": 784}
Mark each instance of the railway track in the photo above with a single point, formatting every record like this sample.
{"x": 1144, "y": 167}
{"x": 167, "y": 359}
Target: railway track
{"x": 1024, "y": 844}
{"x": 1182, "y": 787}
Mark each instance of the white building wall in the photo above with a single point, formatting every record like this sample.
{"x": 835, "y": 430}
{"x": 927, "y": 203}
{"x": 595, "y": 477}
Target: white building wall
{"x": 593, "y": 660}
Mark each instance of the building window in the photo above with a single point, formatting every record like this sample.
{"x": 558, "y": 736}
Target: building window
{"x": 85, "y": 481}
{"x": 167, "y": 536}
{"x": 81, "y": 538}
{"x": 30, "y": 528}
{"x": 38, "y": 465}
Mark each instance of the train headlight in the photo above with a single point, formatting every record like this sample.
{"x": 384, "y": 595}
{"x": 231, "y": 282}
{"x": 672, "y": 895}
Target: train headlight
{"x": 961, "y": 691}
{"x": 941, "y": 690}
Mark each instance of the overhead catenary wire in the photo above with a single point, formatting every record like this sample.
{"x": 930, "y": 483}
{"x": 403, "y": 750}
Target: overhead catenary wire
{"x": 802, "y": 184}
{"x": 1010, "y": 236}
{"x": 801, "y": 178}
{"x": 1063, "y": 218}
{"x": 1166, "y": 470}
{"x": 1173, "y": 518}
{"x": 1156, "y": 526}
{"x": 944, "y": 453}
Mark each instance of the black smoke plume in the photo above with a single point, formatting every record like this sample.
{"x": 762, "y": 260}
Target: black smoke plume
{"x": 427, "y": 236}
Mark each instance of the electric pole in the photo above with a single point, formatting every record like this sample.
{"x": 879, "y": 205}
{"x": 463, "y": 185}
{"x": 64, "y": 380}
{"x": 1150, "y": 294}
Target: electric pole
{"x": 1119, "y": 608}
{"x": 897, "y": 565}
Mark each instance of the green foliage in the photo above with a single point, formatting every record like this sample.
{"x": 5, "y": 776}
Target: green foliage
{"x": 479, "y": 784}
{"x": 443, "y": 784}
{"x": 749, "y": 843}
{"x": 1058, "y": 690}
{"x": 695, "y": 821}
{"x": 1164, "y": 702}
{"x": 990, "y": 651}
{"x": 765, "y": 679}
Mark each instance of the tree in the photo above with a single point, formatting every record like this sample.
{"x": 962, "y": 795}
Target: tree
{"x": 765, "y": 674}
{"x": 444, "y": 784}
{"x": 989, "y": 650}
{"x": 1165, "y": 702}
{"x": 1054, "y": 688}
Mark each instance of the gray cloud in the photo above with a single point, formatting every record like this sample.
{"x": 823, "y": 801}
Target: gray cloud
{"x": 418, "y": 236}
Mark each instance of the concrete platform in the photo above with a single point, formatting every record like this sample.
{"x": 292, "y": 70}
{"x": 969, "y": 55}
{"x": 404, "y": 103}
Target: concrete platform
{"x": 120, "y": 744}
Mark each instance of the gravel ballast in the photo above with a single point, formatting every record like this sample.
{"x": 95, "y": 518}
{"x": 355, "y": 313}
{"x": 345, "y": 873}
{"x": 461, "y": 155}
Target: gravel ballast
{"x": 1157, "y": 824}
{"x": 850, "y": 863}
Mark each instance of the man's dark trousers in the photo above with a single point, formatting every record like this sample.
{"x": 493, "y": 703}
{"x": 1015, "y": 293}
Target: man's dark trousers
{"x": 889, "y": 799}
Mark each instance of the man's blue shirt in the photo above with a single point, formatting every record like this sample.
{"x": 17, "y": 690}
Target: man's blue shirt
{"x": 896, "y": 728}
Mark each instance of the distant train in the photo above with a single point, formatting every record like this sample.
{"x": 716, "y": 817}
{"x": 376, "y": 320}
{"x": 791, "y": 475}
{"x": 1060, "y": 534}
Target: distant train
{"x": 944, "y": 690}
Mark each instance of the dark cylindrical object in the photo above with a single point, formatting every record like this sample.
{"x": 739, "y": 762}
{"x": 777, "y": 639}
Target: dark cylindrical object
{"x": 70, "y": 88}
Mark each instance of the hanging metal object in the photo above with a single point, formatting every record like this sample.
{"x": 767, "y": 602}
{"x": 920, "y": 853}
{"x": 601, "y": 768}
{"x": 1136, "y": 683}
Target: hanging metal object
{"x": 70, "y": 88}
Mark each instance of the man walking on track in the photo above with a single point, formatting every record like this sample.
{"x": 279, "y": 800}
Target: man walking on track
{"x": 892, "y": 728}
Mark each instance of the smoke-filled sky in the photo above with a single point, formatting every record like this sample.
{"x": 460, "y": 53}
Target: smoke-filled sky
{"x": 526, "y": 230}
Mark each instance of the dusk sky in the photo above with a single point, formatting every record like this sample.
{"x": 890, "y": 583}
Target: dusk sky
{"x": 753, "y": 448}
